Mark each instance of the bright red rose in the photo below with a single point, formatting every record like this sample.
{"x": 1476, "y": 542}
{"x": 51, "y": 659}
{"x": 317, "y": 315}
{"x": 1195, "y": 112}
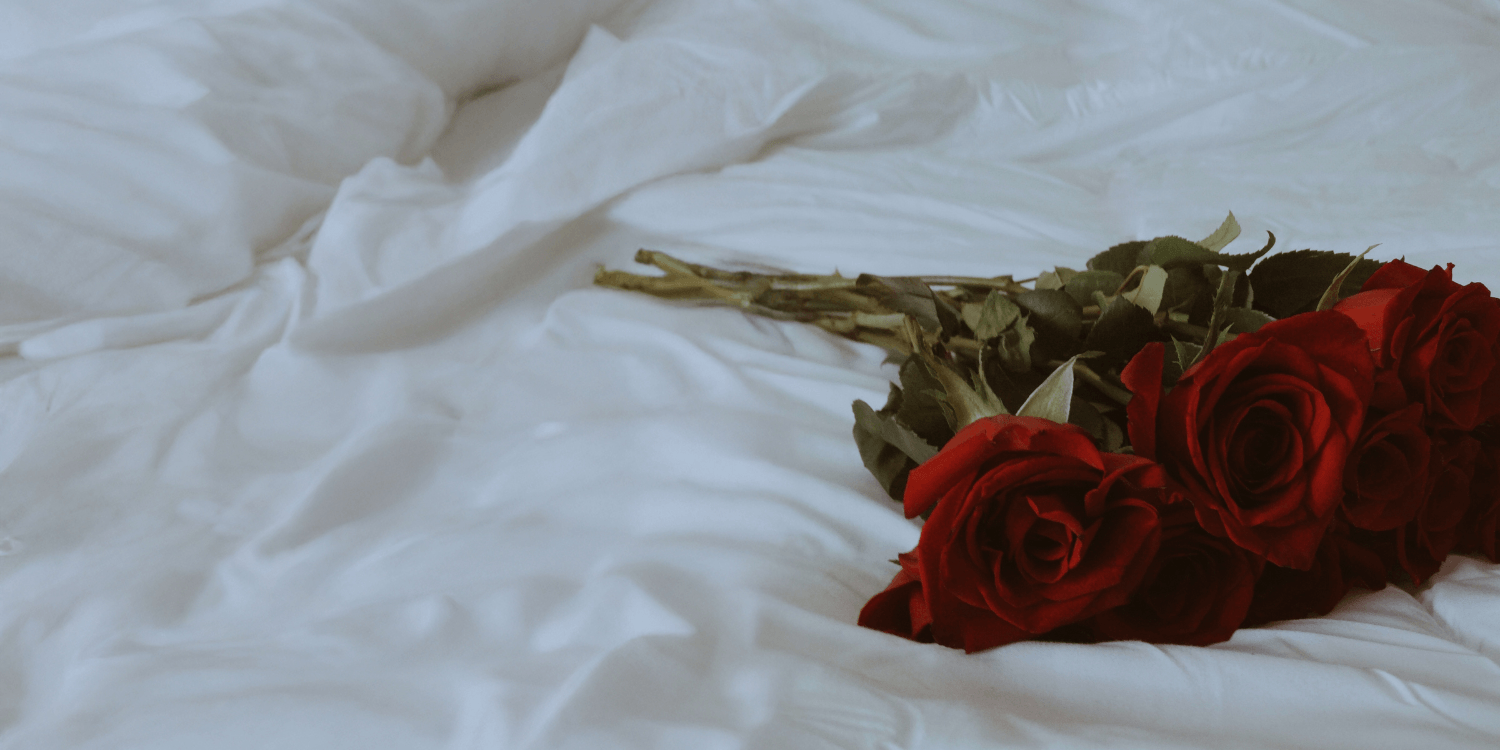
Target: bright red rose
{"x": 1385, "y": 478}
{"x": 1341, "y": 564}
{"x": 1195, "y": 592}
{"x": 1439, "y": 339}
{"x": 1032, "y": 528}
{"x": 1259, "y": 431}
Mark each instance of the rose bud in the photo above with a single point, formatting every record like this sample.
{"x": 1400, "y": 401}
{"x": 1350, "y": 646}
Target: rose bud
{"x": 1259, "y": 431}
{"x": 1385, "y": 477}
{"x": 1032, "y": 528}
{"x": 1195, "y": 592}
{"x": 1439, "y": 339}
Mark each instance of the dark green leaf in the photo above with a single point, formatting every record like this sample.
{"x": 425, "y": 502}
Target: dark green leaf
{"x": 1121, "y": 330}
{"x": 1120, "y": 258}
{"x": 1082, "y": 286}
{"x": 888, "y": 463}
{"x": 1216, "y": 325}
{"x": 919, "y": 409}
{"x": 1289, "y": 283}
{"x": 1052, "y": 309}
{"x": 1188, "y": 289}
{"x": 1172, "y": 251}
{"x": 1083, "y": 414}
{"x": 1244, "y": 320}
{"x": 1333, "y": 293}
{"x": 1011, "y": 387}
{"x": 1179, "y": 356}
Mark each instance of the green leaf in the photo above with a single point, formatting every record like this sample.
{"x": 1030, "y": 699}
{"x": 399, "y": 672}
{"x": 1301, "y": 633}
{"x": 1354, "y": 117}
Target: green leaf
{"x": 1245, "y": 320}
{"x": 1053, "y": 310}
{"x": 887, "y": 463}
{"x": 1171, "y": 251}
{"x": 1121, "y": 330}
{"x": 993, "y": 317}
{"x": 1083, "y": 414}
{"x": 1179, "y": 357}
{"x": 1222, "y": 299}
{"x": 1222, "y": 236}
{"x": 1120, "y": 258}
{"x": 1286, "y": 284}
{"x": 1014, "y": 346}
{"x": 1149, "y": 294}
{"x": 1082, "y": 286}
{"x": 904, "y": 294}
{"x": 890, "y": 429}
{"x": 964, "y": 405}
{"x": 1114, "y": 437}
{"x": 1052, "y": 399}
{"x": 1331, "y": 294}
{"x": 919, "y": 409}
{"x": 982, "y": 387}
{"x": 1188, "y": 289}
{"x": 1054, "y": 279}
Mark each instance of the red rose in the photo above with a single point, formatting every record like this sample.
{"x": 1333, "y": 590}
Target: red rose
{"x": 1341, "y": 564}
{"x": 1258, "y": 432}
{"x": 1439, "y": 339}
{"x": 1480, "y": 530}
{"x": 1421, "y": 546}
{"x": 1196, "y": 590}
{"x": 901, "y": 609}
{"x": 1032, "y": 528}
{"x": 1385, "y": 478}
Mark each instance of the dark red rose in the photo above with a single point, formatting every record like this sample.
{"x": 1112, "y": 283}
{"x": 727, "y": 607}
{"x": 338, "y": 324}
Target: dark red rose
{"x": 1439, "y": 339}
{"x": 901, "y": 609}
{"x": 1480, "y": 530}
{"x": 1341, "y": 564}
{"x": 1259, "y": 431}
{"x": 1385, "y": 478}
{"x": 1196, "y": 590}
{"x": 1032, "y": 528}
{"x": 1420, "y": 546}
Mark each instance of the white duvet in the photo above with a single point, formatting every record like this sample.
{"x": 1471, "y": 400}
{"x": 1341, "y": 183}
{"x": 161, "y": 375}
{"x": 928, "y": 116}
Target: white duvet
{"x": 314, "y": 434}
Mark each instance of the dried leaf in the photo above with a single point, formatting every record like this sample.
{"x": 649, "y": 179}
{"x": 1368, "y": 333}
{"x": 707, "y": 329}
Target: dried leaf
{"x": 1149, "y": 294}
{"x": 1222, "y": 236}
{"x": 1052, "y": 399}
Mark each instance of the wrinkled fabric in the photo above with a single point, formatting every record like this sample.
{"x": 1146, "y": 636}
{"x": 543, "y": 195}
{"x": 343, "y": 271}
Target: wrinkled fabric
{"x": 313, "y": 433}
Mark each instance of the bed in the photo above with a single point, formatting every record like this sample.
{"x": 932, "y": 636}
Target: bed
{"x": 314, "y": 433}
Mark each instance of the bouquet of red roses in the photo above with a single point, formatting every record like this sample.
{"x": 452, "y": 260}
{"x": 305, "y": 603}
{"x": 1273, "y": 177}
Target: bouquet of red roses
{"x": 1167, "y": 446}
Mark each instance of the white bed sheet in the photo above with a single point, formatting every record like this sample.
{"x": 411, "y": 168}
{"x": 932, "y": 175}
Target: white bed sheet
{"x": 399, "y": 478}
